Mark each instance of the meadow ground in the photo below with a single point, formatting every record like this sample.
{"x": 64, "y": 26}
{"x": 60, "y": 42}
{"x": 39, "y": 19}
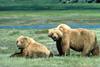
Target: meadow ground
{"x": 27, "y": 18}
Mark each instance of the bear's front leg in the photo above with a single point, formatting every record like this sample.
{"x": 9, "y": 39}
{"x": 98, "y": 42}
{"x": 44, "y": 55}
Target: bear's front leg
{"x": 65, "y": 48}
{"x": 17, "y": 55}
{"x": 59, "y": 47}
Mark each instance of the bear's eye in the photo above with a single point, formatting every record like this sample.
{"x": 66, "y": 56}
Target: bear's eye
{"x": 21, "y": 41}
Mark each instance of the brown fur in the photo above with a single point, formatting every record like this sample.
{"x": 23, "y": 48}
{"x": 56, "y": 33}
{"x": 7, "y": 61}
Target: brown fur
{"x": 81, "y": 40}
{"x": 30, "y": 48}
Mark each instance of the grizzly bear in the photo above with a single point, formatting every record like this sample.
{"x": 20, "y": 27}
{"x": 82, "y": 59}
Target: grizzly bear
{"x": 82, "y": 40}
{"x": 30, "y": 48}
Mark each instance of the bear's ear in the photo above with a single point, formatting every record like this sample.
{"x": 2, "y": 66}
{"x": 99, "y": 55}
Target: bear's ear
{"x": 61, "y": 29}
{"x": 25, "y": 38}
{"x": 49, "y": 32}
{"x": 21, "y": 36}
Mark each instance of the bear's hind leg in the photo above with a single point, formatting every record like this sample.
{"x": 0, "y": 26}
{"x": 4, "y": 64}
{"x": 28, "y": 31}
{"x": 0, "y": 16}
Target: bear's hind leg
{"x": 95, "y": 51}
{"x": 86, "y": 51}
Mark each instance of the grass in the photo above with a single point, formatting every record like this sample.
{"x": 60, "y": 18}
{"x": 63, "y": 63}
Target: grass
{"x": 45, "y": 17}
{"x": 51, "y": 62}
{"x": 8, "y": 46}
{"x": 16, "y": 18}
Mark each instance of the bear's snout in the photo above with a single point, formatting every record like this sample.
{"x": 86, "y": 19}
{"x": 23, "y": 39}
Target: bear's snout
{"x": 54, "y": 38}
{"x": 19, "y": 47}
{"x": 18, "y": 44}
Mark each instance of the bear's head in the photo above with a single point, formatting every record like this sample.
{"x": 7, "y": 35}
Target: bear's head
{"x": 55, "y": 34}
{"x": 23, "y": 41}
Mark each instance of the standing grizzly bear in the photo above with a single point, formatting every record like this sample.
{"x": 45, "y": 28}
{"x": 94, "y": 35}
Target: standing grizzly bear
{"x": 30, "y": 48}
{"x": 81, "y": 40}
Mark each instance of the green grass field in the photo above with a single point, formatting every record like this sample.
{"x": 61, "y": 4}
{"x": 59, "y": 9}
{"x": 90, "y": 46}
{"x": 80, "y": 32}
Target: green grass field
{"x": 8, "y": 37}
{"x": 48, "y": 16}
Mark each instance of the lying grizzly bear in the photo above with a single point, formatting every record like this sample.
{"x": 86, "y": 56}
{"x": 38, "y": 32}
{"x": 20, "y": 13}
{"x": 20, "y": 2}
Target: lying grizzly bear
{"x": 30, "y": 48}
{"x": 81, "y": 40}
